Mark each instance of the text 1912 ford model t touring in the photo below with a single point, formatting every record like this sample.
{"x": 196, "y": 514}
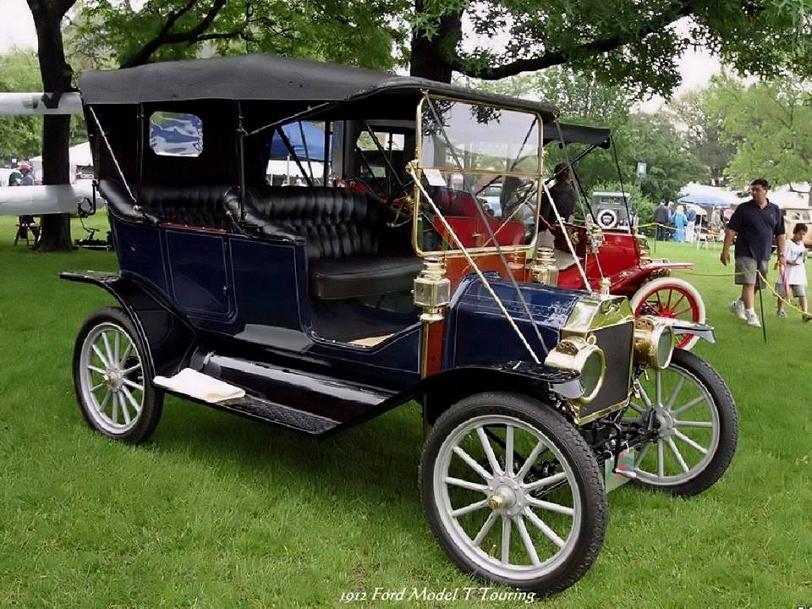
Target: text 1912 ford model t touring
{"x": 377, "y": 283}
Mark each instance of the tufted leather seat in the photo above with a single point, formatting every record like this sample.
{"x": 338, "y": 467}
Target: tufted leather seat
{"x": 198, "y": 205}
{"x": 341, "y": 231}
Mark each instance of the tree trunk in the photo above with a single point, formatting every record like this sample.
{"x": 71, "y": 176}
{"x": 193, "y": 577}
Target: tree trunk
{"x": 431, "y": 56}
{"x": 56, "y": 77}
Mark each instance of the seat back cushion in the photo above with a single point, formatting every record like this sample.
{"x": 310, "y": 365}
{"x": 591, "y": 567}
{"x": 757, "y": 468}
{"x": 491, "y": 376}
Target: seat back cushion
{"x": 197, "y": 205}
{"x": 335, "y": 223}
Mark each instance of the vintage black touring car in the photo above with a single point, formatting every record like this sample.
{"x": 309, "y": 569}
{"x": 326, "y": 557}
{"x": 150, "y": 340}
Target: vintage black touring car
{"x": 400, "y": 265}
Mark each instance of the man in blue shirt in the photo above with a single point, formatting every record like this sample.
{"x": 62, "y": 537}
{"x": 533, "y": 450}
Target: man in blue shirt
{"x": 755, "y": 224}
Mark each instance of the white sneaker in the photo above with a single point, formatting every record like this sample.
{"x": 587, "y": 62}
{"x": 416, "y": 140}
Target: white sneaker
{"x": 752, "y": 319}
{"x": 782, "y": 314}
{"x": 737, "y": 308}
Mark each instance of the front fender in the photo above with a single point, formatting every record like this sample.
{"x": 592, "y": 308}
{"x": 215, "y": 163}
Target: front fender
{"x": 168, "y": 337}
{"x": 440, "y": 391}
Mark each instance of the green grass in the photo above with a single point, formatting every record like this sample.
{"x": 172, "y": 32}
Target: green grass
{"x": 220, "y": 512}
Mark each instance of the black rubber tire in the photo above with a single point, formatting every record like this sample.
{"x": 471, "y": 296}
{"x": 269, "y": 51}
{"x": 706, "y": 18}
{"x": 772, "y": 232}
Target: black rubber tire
{"x": 581, "y": 459}
{"x": 153, "y": 398}
{"x": 728, "y": 422}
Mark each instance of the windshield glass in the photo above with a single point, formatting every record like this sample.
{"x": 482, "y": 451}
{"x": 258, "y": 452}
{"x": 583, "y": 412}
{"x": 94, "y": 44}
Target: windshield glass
{"x": 481, "y": 166}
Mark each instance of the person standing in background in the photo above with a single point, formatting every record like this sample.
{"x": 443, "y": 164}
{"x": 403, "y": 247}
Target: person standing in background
{"x": 793, "y": 274}
{"x": 661, "y": 219}
{"x": 755, "y": 224}
{"x": 28, "y": 174}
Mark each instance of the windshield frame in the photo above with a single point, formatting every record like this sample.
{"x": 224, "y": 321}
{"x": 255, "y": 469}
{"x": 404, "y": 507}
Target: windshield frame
{"x": 417, "y": 196}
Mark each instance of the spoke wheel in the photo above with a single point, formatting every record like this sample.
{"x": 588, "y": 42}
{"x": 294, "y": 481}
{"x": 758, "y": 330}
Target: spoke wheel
{"x": 513, "y": 492}
{"x": 696, "y": 424}
{"x": 114, "y": 393}
{"x": 673, "y": 298}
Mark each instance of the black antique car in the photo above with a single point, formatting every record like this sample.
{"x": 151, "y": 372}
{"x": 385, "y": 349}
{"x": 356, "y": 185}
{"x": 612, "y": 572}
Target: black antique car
{"x": 384, "y": 277}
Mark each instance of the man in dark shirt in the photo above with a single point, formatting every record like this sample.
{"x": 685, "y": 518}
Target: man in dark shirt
{"x": 564, "y": 196}
{"x": 755, "y": 224}
{"x": 661, "y": 217}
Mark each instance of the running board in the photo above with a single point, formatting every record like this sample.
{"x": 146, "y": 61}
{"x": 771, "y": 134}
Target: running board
{"x": 198, "y": 386}
{"x": 271, "y": 412}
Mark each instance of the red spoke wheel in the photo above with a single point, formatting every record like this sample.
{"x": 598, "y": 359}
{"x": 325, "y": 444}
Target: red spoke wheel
{"x": 673, "y": 298}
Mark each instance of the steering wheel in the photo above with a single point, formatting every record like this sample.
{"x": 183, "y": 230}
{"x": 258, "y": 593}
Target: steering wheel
{"x": 403, "y": 204}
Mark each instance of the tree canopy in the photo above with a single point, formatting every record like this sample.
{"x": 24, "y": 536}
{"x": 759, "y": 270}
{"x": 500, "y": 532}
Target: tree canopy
{"x": 631, "y": 42}
{"x": 110, "y": 33}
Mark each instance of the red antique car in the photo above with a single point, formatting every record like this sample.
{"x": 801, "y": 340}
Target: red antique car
{"x": 618, "y": 255}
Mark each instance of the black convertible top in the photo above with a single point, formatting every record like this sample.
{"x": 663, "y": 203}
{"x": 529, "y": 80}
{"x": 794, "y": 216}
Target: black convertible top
{"x": 576, "y": 134}
{"x": 269, "y": 77}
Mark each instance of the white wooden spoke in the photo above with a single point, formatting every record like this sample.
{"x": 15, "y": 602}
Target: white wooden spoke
{"x": 675, "y": 393}
{"x": 472, "y": 463}
{"x": 101, "y": 357}
{"x": 126, "y": 353}
{"x": 107, "y": 350}
{"x": 641, "y": 455}
{"x": 687, "y": 406}
{"x": 116, "y": 343}
{"x": 528, "y": 543}
{"x": 532, "y": 486}
{"x": 505, "y": 540}
{"x": 509, "y": 450}
{"x": 478, "y": 505}
{"x": 471, "y": 486}
{"x": 114, "y": 414}
{"x": 690, "y": 442}
{"x": 531, "y": 459}
{"x": 103, "y": 403}
{"x": 486, "y": 527}
{"x": 678, "y": 455}
{"x": 660, "y": 460}
{"x": 658, "y": 388}
{"x": 636, "y": 408}
{"x": 543, "y": 527}
{"x": 488, "y": 449}
{"x": 124, "y": 410}
{"x": 702, "y": 424}
{"x": 95, "y": 369}
{"x": 552, "y": 507}
{"x": 130, "y": 399}
{"x": 95, "y": 387}
{"x": 131, "y": 369}
{"x": 132, "y": 384}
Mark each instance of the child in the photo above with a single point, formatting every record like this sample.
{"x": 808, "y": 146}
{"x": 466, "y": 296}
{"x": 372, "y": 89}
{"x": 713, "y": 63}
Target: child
{"x": 793, "y": 276}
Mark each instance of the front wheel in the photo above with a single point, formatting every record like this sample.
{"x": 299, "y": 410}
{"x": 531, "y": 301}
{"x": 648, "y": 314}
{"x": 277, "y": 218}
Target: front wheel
{"x": 690, "y": 409}
{"x": 513, "y": 493}
{"x": 115, "y": 394}
{"x": 673, "y": 298}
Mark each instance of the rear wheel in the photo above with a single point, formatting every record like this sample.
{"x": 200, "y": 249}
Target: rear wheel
{"x": 513, "y": 493}
{"x": 697, "y": 426}
{"x": 673, "y": 298}
{"x": 115, "y": 394}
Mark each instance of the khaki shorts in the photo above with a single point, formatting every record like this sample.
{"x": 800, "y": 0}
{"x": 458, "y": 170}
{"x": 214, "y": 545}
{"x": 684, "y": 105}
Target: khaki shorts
{"x": 798, "y": 291}
{"x": 746, "y": 268}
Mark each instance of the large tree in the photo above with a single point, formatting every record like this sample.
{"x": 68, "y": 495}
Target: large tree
{"x": 635, "y": 41}
{"x": 769, "y": 124}
{"x": 701, "y": 114}
{"x": 56, "y": 77}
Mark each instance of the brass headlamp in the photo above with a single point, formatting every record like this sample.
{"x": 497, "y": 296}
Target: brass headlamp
{"x": 580, "y": 355}
{"x": 653, "y": 342}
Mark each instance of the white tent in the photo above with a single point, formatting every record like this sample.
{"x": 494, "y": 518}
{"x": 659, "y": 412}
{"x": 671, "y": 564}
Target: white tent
{"x": 707, "y": 196}
{"x": 78, "y": 155}
{"x": 791, "y": 196}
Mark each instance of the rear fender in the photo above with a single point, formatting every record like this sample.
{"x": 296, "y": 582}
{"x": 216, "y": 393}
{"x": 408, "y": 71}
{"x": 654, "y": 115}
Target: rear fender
{"x": 168, "y": 337}
{"x": 440, "y": 391}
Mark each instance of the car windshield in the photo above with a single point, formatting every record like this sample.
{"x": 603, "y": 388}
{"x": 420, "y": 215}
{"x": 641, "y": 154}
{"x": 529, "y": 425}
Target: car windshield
{"x": 481, "y": 167}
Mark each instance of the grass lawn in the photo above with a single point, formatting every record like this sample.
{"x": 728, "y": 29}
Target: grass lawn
{"x": 216, "y": 511}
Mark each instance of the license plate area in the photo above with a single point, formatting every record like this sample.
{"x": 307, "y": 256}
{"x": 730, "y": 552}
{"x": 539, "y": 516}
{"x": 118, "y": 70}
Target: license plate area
{"x": 625, "y": 461}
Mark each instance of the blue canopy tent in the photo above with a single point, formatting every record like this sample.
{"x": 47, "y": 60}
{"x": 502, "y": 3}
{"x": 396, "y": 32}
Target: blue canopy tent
{"x": 306, "y": 138}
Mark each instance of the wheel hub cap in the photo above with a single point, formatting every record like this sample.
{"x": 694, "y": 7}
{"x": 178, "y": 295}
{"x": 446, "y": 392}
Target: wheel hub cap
{"x": 507, "y": 496}
{"x": 667, "y": 426}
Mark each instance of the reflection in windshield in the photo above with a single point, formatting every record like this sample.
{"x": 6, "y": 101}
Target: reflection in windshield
{"x": 482, "y": 169}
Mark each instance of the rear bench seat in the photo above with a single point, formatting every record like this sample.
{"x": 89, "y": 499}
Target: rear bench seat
{"x": 341, "y": 231}
{"x": 201, "y": 205}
